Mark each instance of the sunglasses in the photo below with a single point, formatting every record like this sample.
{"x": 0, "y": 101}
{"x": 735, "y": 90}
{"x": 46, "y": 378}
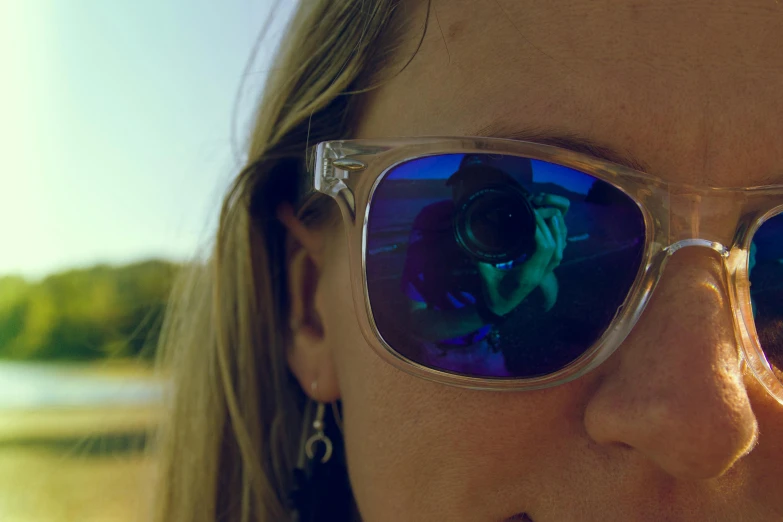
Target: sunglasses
{"x": 507, "y": 265}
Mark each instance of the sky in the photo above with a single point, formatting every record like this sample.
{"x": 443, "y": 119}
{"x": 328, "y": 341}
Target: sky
{"x": 442, "y": 167}
{"x": 115, "y": 135}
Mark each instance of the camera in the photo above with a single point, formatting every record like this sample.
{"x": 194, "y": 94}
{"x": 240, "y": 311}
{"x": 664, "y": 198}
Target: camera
{"x": 494, "y": 219}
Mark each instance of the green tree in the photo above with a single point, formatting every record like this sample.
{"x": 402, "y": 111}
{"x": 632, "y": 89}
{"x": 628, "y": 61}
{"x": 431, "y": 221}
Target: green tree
{"x": 85, "y": 314}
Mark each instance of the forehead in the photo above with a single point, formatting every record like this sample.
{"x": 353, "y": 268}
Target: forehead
{"x": 691, "y": 88}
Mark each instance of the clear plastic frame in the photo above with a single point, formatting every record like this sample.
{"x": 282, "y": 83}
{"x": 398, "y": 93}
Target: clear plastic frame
{"x": 675, "y": 215}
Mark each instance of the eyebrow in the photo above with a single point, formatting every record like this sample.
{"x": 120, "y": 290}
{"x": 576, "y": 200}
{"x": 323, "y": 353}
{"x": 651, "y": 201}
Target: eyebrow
{"x": 578, "y": 143}
{"x": 564, "y": 140}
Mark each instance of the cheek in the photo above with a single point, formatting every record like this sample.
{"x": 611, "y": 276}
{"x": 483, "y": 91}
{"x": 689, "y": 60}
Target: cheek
{"x": 418, "y": 450}
{"x": 766, "y": 460}
{"x": 426, "y": 451}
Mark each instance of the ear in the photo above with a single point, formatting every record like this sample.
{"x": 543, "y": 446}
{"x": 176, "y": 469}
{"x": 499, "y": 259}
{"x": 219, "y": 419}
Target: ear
{"x": 309, "y": 351}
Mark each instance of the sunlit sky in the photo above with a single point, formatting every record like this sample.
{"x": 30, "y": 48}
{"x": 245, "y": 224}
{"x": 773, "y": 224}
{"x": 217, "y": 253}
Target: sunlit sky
{"x": 116, "y": 124}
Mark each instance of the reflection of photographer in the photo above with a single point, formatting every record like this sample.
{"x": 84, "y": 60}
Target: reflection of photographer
{"x": 494, "y": 244}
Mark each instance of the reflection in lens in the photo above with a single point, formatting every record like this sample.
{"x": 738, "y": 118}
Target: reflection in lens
{"x": 766, "y": 290}
{"x": 449, "y": 237}
{"x": 488, "y": 205}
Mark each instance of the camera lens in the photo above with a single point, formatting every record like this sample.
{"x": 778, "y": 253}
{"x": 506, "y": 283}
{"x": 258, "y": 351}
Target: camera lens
{"x": 496, "y": 223}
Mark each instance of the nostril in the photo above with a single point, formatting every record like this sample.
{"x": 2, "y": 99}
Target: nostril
{"x": 519, "y": 517}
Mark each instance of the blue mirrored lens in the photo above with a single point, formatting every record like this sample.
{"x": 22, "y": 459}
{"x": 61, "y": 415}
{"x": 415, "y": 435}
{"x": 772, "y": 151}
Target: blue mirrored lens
{"x": 496, "y": 265}
{"x": 766, "y": 290}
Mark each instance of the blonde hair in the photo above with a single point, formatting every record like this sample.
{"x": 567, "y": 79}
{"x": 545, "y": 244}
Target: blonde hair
{"x": 229, "y": 437}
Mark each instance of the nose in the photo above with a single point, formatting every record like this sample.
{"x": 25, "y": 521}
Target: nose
{"x": 674, "y": 391}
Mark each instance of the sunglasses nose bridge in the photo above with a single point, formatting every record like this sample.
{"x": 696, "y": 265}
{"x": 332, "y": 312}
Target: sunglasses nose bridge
{"x": 701, "y": 217}
{"x": 659, "y": 262}
{"x": 721, "y": 249}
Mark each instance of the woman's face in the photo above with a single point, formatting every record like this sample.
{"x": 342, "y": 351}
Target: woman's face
{"x": 670, "y": 427}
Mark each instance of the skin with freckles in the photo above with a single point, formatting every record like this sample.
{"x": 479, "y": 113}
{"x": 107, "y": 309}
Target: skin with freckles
{"x": 669, "y": 428}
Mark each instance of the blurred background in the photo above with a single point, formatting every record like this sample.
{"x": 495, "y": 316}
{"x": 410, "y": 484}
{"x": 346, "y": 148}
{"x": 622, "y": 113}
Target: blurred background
{"x": 122, "y": 125}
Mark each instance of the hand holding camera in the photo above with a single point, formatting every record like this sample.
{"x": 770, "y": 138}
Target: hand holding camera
{"x": 506, "y": 287}
{"x": 515, "y": 238}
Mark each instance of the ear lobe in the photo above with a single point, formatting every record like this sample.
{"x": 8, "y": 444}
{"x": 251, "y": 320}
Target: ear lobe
{"x": 308, "y": 351}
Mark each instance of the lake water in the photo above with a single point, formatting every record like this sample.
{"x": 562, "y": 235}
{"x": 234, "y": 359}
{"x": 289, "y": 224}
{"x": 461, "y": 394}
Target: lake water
{"x": 34, "y": 386}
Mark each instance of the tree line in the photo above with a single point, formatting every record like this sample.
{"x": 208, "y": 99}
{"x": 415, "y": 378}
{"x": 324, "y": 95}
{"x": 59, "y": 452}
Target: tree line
{"x": 95, "y": 313}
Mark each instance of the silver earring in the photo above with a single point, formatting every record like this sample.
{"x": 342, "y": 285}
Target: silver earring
{"x": 310, "y": 474}
{"x": 319, "y": 436}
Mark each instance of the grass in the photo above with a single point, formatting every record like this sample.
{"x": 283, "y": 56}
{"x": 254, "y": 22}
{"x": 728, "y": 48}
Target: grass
{"x": 38, "y": 484}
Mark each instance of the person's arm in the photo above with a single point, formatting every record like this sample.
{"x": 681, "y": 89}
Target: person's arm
{"x": 506, "y": 289}
{"x": 440, "y": 325}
